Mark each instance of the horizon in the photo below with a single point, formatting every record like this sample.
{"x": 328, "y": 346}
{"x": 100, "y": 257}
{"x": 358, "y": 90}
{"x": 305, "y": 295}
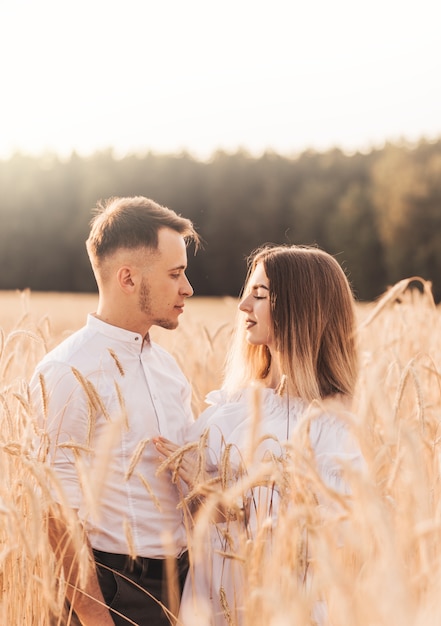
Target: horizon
{"x": 400, "y": 142}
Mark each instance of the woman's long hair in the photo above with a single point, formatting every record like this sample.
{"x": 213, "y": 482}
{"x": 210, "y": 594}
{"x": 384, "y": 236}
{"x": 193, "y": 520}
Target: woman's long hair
{"x": 312, "y": 308}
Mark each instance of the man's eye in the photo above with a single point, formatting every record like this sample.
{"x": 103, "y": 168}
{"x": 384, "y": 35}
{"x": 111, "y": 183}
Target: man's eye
{"x": 175, "y": 275}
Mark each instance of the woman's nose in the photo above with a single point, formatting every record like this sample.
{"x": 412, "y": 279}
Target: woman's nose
{"x": 245, "y": 303}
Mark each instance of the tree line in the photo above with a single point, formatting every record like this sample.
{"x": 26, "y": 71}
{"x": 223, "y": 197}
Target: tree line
{"x": 379, "y": 213}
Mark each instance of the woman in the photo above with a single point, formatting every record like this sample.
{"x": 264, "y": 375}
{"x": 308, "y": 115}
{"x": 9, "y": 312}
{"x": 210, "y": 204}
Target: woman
{"x": 290, "y": 376}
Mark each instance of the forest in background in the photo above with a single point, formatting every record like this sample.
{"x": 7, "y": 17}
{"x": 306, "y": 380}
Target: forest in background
{"x": 379, "y": 213}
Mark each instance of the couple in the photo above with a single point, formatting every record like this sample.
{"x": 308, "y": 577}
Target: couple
{"x": 109, "y": 397}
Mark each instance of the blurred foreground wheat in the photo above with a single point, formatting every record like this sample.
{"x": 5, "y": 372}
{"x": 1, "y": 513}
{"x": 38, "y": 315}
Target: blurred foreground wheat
{"x": 374, "y": 563}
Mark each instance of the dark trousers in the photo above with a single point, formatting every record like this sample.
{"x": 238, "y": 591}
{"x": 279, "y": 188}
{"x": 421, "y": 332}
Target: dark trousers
{"x": 139, "y": 589}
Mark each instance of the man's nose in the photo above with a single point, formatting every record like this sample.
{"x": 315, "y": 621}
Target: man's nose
{"x": 187, "y": 289}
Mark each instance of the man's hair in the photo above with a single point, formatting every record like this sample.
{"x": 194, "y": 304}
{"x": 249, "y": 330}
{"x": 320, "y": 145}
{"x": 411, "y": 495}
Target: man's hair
{"x": 132, "y": 223}
{"x": 313, "y": 315}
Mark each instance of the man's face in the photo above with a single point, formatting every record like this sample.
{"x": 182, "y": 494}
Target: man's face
{"x": 164, "y": 286}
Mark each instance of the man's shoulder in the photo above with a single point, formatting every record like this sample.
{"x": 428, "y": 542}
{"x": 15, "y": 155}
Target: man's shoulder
{"x": 68, "y": 351}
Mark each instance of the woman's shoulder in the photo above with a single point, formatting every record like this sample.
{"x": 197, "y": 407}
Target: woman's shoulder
{"x": 223, "y": 412}
{"x": 254, "y": 398}
{"x": 332, "y": 427}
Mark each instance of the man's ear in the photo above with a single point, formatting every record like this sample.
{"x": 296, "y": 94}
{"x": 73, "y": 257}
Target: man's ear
{"x": 125, "y": 279}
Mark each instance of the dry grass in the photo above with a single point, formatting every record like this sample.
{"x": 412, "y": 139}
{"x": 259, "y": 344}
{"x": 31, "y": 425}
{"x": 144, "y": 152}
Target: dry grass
{"x": 374, "y": 563}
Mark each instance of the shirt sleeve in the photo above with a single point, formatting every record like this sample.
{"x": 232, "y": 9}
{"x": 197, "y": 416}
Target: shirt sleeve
{"x": 65, "y": 416}
{"x": 335, "y": 447}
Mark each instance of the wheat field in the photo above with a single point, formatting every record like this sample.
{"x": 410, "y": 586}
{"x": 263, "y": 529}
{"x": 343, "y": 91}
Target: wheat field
{"x": 375, "y": 563}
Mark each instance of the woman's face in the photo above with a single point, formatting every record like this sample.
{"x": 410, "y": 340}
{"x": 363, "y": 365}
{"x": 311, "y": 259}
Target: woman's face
{"x": 256, "y": 306}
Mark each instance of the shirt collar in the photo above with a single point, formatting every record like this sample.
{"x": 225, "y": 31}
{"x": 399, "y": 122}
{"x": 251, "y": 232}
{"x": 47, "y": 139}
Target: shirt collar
{"x": 116, "y": 333}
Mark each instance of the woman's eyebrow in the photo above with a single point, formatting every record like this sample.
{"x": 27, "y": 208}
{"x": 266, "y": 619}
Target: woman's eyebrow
{"x": 260, "y": 286}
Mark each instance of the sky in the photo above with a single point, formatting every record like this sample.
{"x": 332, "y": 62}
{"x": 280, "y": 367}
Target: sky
{"x": 174, "y": 75}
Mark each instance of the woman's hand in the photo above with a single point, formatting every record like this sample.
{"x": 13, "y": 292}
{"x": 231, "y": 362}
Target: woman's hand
{"x": 183, "y": 461}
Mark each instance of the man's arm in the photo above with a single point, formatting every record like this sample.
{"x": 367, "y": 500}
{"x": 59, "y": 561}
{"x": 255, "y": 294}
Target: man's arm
{"x": 86, "y": 600}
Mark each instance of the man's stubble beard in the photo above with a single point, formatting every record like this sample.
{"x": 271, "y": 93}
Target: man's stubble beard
{"x": 145, "y": 305}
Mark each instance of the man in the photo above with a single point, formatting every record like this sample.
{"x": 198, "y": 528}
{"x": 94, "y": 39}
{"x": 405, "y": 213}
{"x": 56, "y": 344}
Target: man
{"x": 102, "y": 395}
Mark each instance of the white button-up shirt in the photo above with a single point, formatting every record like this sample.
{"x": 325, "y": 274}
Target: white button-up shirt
{"x": 101, "y": 396}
